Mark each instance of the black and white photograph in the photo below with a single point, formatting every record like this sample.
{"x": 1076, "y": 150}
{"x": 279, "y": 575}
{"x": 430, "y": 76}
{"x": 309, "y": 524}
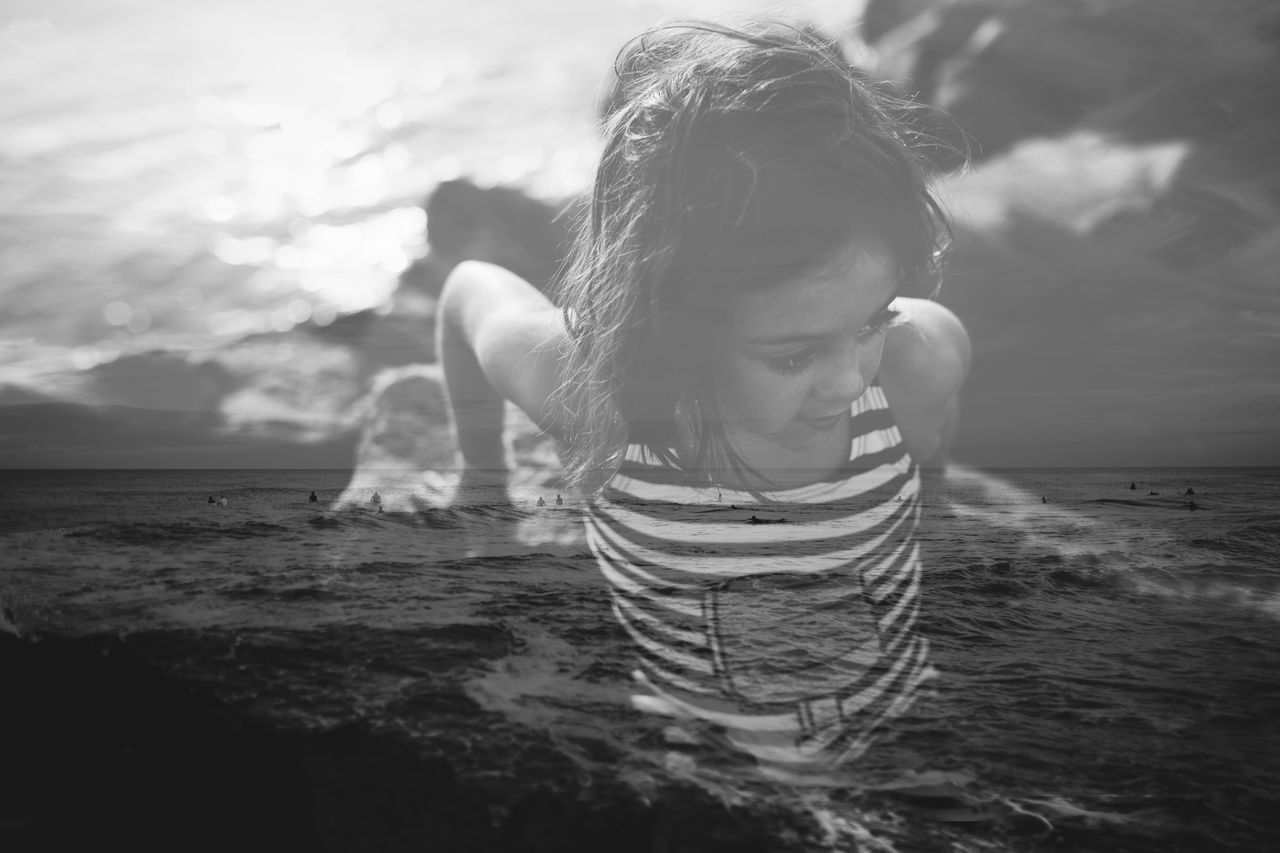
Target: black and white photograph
{"x": 640, "y": 426}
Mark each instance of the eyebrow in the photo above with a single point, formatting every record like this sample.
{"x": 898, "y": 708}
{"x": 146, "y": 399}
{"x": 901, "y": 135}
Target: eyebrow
{"x": 807, "y": 338}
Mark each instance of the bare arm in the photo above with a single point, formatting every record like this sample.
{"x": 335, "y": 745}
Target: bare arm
{"x": 499, "y": 338}
{"x": 926, "y": 359}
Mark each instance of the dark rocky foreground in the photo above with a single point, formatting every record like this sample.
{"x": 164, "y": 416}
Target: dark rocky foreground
{"x": 104, "y": 750}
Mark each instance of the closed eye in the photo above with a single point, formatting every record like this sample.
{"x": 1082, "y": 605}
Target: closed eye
{"x": 882, "y": 319}
{"x": 794, "y": 362}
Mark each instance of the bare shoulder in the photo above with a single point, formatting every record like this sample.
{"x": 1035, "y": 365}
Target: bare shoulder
{"x": 926, "y": 359}
{"x": 477, "y": 290}
{"x": 514, "y": 330}
{"x": 926, "y": 352}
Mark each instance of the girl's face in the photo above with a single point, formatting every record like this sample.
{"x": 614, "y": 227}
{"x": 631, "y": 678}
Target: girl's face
{"x": 793, "y": 358}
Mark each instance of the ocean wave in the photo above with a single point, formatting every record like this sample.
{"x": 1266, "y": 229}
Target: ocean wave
{"x": 294, "y": 592}
{"x": 1251, "y": 541}
{"x": 539, "y": 565}
{"x": 462, "y": 516}
{"x": 1178, "y": 503}
{"x": 147, "y": 533}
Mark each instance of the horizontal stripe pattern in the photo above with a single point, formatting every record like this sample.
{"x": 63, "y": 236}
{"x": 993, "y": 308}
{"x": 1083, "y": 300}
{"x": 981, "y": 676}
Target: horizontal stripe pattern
{"x": 794, "y": 640}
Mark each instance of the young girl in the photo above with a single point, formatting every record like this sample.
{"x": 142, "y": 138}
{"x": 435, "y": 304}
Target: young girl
{"x": 736, "y": 322}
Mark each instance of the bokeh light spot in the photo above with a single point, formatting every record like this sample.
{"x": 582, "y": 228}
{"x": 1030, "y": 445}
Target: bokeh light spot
{"x": 299, "y": 310}
{"x": 288, "y": 258}
{"x": 107, "y": 351}
{"x": 140, "y": 321}
{"x": 220, "y": 208}
{"x": 84, "y": 357}
{"x": 446, "y": 169}
{"x": 117, "y": 313}
{"x": 323, "y": 314}
{"x": 280, "y": 321}
{"x": 389, "y": 114}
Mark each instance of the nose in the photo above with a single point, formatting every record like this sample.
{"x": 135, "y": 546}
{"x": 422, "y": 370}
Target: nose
{"x": 849, "y": 372}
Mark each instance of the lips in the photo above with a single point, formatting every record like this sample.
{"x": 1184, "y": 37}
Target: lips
{"x": 824, "y": 422}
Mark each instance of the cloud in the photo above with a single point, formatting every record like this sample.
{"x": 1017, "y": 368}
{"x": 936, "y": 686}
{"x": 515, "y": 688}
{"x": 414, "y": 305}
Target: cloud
{"x": 72, "y": 435}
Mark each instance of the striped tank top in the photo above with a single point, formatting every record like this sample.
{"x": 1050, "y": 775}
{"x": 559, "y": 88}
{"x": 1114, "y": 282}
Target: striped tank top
{"x": 793, "y": 641}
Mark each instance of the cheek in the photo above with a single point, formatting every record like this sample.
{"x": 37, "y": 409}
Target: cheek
{"x": 749, "y": 391}
{"x": 876, "y": 355}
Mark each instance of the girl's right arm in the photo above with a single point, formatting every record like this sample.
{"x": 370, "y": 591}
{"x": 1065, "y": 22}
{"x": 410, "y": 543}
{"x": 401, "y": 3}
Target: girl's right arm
{"x": 499, "y": 338}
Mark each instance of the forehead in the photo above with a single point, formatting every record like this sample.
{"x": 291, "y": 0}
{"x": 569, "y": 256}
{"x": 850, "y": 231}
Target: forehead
{"x": 840, "y": 295}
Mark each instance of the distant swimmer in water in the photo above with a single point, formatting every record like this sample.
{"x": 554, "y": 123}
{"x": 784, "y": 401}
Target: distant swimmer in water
{"x": 541, "y": 502}
{"x": 1157, "y": 494}
{"x": 211, "y": 500}
{"x": 376, "y": 499}
{"x": 1133, "y": 486}
{"x": 1192, "y": 506}
{"x": 313, "y": 498}
{"x": 1191, "y": 492}
{"x": 559, "y": 501}
{"x": 1043, "y": 499}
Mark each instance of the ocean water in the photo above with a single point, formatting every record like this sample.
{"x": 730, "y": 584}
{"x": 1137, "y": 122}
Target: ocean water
{"x": 1107, "y": 658}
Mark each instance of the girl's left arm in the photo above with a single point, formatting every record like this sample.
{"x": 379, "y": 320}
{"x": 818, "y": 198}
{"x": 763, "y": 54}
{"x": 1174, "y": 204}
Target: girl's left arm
{"x": 499, "y": 339}
{"x": 926, "y": 359}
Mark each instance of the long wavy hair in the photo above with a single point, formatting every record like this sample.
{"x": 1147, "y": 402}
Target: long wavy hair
{"x": 734, "y": 159}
